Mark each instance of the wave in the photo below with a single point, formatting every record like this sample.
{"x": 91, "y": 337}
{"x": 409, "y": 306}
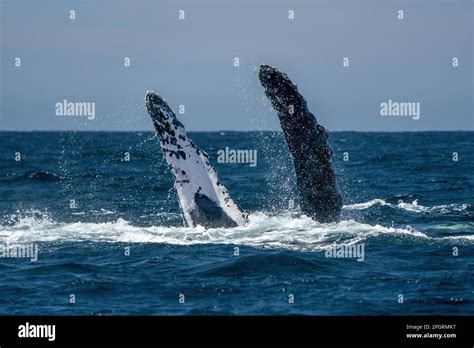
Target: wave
{"x": 262, "y": 231}
{"x": 41, "y": 176}
{"x": 95, "y": 212}
{"x": 410, "y": 207}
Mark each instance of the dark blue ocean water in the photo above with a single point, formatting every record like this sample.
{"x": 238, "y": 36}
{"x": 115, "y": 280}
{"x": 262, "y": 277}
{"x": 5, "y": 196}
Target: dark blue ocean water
{"x": 406, "y": 201}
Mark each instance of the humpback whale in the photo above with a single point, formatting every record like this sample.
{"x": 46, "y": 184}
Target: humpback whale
{"x": 318, "y": 192}
{"x": 202, "y": 197}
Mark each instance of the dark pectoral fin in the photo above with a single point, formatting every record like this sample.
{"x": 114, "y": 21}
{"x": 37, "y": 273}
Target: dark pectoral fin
{"x": 208, "y": 213}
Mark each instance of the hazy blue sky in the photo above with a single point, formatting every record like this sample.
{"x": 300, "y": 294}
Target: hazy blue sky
{"x": 190, "y": 62}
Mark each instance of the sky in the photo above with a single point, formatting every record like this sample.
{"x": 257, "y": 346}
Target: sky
{"x": 190, "y": 62}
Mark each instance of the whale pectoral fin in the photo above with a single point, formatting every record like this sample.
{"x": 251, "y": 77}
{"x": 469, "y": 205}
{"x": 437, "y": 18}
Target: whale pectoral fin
{"x": 307, "y": 141}
{"x": 209, "y": 213}
{"x": 202, "y": 199}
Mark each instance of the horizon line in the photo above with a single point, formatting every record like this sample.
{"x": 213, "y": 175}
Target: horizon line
{"x": 227, "y": 131}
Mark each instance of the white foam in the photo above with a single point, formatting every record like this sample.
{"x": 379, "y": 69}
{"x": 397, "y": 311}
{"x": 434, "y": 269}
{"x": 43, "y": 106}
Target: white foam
{"x": 262, "y": 231}
{"x": 413, "y": 207}
{"x": 365, "y": 205}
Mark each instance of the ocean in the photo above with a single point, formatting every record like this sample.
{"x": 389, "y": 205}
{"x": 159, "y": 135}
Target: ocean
{"x": 101, "y": 211}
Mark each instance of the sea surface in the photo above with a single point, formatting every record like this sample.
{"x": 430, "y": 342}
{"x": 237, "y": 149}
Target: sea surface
{"x": 111, "y": 239}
